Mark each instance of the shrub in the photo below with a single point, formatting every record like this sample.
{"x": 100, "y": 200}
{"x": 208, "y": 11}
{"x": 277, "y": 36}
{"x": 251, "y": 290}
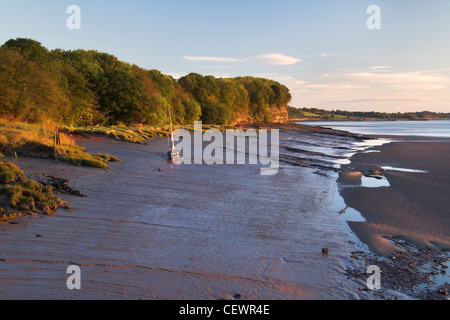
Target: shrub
{"x": 9, "y": 172}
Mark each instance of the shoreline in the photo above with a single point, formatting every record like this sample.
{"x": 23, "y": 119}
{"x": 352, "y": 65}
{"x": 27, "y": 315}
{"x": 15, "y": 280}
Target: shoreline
{"x": 409, "y": 195}
{"x": 405, "y": 207}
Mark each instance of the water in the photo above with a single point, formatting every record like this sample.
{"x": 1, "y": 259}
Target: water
{"x": 430, "y": 128}
{"x": 403, "y": 169}
{"x": 370, "y": 182}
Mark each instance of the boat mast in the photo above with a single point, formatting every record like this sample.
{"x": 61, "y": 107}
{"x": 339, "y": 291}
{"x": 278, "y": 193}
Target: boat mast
{"x": 171, "y": 131}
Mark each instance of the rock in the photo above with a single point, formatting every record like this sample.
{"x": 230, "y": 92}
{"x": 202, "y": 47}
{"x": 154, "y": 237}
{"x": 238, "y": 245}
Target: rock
{"x": 237, "y": 296}
{"x": 325, "y": 250}
{"x": 443, "y": 291}
{"x": 160, "y": 169}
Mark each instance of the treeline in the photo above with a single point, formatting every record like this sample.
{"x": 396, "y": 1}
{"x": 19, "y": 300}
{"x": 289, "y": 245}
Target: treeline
{"x": 82, "y": 87}
{"x": 320, "y": 114}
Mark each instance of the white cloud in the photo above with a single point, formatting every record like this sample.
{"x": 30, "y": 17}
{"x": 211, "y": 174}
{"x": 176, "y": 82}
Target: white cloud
{"x": 419, "y": 80}
{"x": 380, "y": 67}
{"x": 273, "y": 59}
{"x": 377, "y": 90}
{"x": 267, "y": 59}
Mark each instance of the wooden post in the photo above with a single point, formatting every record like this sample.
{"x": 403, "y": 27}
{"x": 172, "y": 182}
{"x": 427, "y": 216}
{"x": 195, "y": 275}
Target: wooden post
{"x": 54, "y": 141}
{"x": 58, "y": 140}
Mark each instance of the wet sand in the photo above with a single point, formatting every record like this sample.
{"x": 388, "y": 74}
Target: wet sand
{"x": 401, "y": 189}
{"x": 415, "y": 206}
{"x": 189, "y": 231}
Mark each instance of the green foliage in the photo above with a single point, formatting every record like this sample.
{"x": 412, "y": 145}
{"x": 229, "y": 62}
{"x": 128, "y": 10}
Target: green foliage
{"x": 223, "y": 100}
{"x": 26, "y": 195}
{"x": 9, "y": 172}
{"x": 136, "y": 134}
{"x": 84, "y": 159}
{"x": 79, "y": 160}
{"x": 215, "y": 113}
{"x": 107, "y": 157}
{"x": 82, "y": 88}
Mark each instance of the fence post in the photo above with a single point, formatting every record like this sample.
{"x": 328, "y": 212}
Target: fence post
{"x": 54, "y": 141}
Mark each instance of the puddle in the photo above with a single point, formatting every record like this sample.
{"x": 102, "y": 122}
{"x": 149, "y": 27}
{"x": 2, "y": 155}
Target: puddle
{"x": 359, "y": 147}
{"x": 403, "y": 169}
{"x": 370, "y": 143}
{"x": 369, "y": 182}
{"x": 440, "y": 279}
{"x": 371, "y": 151}
{"x": 349, "y": 214}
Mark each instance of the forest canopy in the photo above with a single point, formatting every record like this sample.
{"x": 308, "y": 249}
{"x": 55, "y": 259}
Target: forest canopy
{"x": 80, "y": 87}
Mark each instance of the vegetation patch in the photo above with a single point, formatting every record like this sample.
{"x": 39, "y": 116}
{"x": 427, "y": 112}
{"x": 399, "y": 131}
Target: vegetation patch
{"x": 19, "y": 195}
{"x": 133, "y": 134}
{"x": 39, "y": 141}
{"x": 139, "y": 134}
{"x": 81, "y": 158}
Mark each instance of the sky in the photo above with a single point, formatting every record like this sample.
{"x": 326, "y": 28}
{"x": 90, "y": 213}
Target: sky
{"x": 322, "y": 50}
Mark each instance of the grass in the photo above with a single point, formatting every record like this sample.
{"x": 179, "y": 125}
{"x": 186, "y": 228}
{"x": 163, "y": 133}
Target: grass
{"x": 38, "y": 140}
{"x": 139, "y": 134}
{"x": 88, "y": 160}
{"x": 136, "y": 134}
{"x": 23, "y": 194}
{"x": 9, "y": 173}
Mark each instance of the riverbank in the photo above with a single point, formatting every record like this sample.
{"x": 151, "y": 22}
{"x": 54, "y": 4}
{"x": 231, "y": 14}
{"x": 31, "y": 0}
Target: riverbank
{"x": 148, "y": 229}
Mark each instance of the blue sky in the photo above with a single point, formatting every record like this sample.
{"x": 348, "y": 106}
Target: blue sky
{"x": 322, "y": 49}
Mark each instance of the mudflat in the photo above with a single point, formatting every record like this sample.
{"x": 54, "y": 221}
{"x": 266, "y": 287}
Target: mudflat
{"x": 415, "y": 206}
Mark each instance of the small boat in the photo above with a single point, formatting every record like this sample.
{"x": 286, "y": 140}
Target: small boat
{"x": 173, "y": 153}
